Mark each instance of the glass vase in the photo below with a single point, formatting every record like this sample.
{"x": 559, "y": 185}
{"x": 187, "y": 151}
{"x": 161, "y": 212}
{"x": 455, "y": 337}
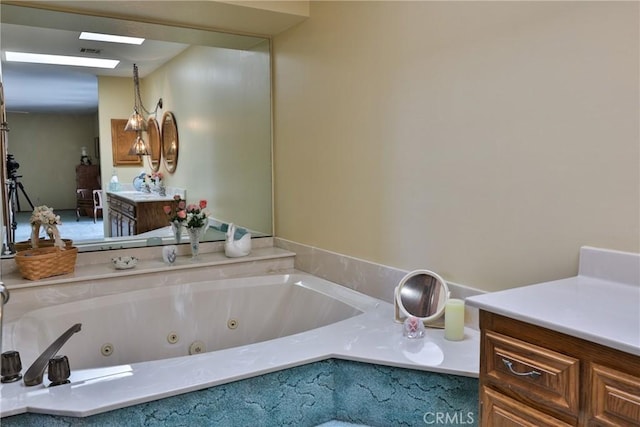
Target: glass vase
{"x": 195, "y": 234}
{"x": 176, "y": 227}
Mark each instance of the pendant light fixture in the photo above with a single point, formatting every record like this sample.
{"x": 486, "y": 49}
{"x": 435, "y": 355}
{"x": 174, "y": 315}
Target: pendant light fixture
{"x": 137, "y": 123}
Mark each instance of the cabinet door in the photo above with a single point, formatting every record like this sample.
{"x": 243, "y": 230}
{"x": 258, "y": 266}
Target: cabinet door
{"x": 615, "y": 397}
{"x": 113, "y": 223}
{"x": 128, "y": 226}
{"x": 499, "y": 410}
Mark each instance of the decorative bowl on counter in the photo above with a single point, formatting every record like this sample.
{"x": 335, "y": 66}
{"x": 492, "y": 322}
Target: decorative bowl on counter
{"x": 124, "y": 262}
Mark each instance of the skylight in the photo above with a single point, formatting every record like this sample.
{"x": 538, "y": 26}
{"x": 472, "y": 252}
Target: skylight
{"x": 78, "y": 61}
{"x": 110, "y": 38}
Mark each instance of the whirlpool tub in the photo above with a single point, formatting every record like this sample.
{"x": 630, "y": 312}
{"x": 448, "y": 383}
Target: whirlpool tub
{"x": 144, "y": 345}
{"x": 182, "y": 320}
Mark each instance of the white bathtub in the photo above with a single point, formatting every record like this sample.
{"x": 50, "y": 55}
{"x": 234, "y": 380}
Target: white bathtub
{"x": 179, "y": 320}
{"x": 282, "y": 321}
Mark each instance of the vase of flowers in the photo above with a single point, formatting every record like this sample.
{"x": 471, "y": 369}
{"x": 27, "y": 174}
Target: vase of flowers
{"x": 177, "y": 214}
{"x": 196, "y": 224}
{"x": 176, "y": 228}
{"x": 155, "y": 181}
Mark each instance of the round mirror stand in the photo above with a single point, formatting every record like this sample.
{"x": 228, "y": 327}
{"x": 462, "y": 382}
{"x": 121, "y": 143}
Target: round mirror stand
{"x": 422, "y": 294}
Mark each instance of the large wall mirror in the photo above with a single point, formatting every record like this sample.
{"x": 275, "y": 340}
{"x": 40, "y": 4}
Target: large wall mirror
{"x": 217, "y": 85}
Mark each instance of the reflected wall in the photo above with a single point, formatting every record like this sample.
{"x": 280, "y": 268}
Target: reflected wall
{"x": 221, "y": 101}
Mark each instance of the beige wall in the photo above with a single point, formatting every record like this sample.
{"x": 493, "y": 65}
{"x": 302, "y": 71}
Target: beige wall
{"x": 486, "y": 141}
{"x": 221, "y": 102}
{"x": 48, "y": 148}
{"x": 115, "y": 101}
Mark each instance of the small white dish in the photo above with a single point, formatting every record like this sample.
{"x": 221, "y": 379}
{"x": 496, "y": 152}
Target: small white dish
{"x": 124, "y": 262}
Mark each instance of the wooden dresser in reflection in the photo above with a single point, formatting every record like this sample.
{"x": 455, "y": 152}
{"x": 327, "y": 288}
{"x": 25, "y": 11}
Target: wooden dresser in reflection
{"x": 87, "y": 179}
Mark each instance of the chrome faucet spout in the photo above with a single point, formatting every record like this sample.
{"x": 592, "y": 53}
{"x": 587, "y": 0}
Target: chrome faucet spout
{"x": 34, "y": 374}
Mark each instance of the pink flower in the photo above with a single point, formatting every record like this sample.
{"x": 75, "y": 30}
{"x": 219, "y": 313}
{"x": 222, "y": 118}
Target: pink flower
{"x": 203, "y": 204}
{"x": 182, "y": 204}
{"x": 182, "y": 214}
{"x": 167, "y": 210}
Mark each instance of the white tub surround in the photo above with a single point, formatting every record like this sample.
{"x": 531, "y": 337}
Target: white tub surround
{"x": 376, "y": 280}
{"x": 95, "y": 274}
{"x": 371, "y": 337}
{"x": 600, "y": 304}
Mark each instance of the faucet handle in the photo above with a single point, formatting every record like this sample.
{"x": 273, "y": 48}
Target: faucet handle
{"x": 34, "y": 374}
{"x": 59, "y": 371}
{"x": 11, "y": 366}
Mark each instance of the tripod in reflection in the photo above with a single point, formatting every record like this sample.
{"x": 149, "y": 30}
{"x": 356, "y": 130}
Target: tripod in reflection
{"x": 14, "y": 200}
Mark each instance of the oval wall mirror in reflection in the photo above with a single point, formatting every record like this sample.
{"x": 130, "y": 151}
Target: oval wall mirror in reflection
{"x": 170, "y": 143}
{"x": 422, "y": 294}
{"x": 155, "y": 147}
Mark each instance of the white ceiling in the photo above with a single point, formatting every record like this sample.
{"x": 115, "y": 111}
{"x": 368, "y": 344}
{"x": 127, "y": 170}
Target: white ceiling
{"x": 38, "y": 88}
{"x": 53, "y": 88}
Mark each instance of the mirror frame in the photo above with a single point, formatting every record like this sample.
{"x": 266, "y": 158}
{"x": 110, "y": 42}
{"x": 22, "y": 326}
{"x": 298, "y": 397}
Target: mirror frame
{"x": 8, "y": 218}
{"x": 402, "y": 313}
{"x": 155, "y": 144}
{"x": 169, "y": 153}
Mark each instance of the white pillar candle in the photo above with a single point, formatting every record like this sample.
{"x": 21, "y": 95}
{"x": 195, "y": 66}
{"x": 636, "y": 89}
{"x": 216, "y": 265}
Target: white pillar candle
{"x": 454, "y": 320}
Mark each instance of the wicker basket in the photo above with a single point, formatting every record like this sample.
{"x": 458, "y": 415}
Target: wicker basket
{"x": 26, "y": 244}
{"x": 36, "y": 264}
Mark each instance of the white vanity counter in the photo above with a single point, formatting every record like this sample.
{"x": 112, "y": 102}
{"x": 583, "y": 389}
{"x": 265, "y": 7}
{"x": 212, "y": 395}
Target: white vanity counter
{"x": 140, "y": 196}
{"x": 601, "y": 304}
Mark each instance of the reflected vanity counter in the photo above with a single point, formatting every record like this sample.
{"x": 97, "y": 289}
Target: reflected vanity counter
{"x": 134, "y": 212}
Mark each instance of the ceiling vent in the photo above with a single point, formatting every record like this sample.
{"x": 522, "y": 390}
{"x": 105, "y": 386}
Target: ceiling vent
{"x": 90, "y": 50}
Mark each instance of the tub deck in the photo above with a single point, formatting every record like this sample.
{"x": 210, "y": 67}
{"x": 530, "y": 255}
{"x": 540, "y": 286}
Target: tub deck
{"x": 371, "y": 337}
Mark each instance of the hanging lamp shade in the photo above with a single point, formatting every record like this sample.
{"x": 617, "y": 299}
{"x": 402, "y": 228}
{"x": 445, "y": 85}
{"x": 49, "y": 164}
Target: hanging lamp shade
{"x": 139, "y": 147}
{"x": 136, "y": 122}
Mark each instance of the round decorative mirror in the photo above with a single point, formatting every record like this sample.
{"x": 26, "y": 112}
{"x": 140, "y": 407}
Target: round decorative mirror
{"x": 155, "y": 147}
{"x": 169, "y": 141}
{"x": 422, "y": 294}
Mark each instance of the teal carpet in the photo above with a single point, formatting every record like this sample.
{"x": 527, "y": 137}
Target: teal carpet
{"x": 71, "y": 228}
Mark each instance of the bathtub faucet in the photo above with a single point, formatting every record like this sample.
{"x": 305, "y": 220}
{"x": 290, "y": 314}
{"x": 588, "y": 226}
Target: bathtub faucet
{"x": 34, "y": 374}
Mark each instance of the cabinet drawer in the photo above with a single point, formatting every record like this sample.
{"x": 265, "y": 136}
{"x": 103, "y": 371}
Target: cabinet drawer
{"x": 615, "y": 397}
{"x": 128, "y": 209}
{"x": 536, "y": 374}
{"x": 499, "y": 410}
{"x": 113, "y": 203}
{"x": 122, "y": 207}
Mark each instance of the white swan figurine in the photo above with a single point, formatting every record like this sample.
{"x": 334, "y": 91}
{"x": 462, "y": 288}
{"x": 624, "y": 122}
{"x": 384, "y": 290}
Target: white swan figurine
{"x": 236, "y": 248}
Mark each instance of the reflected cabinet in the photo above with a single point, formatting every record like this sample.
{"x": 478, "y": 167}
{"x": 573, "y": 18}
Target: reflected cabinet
{"x": 128, "y": 218}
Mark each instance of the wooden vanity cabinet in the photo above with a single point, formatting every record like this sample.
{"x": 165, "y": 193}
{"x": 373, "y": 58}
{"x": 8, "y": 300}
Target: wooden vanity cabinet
{"x": 128, "y": 218}
{"x": 533, "y": 376}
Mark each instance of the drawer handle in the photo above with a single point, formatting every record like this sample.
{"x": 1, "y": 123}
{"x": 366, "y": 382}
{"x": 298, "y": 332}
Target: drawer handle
{"x": 509, "y": 365}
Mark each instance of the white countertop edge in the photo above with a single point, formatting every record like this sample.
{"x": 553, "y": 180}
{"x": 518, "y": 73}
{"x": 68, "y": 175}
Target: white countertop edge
{"x": 351, "y": 339}
{"x": 519, "y": 304}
